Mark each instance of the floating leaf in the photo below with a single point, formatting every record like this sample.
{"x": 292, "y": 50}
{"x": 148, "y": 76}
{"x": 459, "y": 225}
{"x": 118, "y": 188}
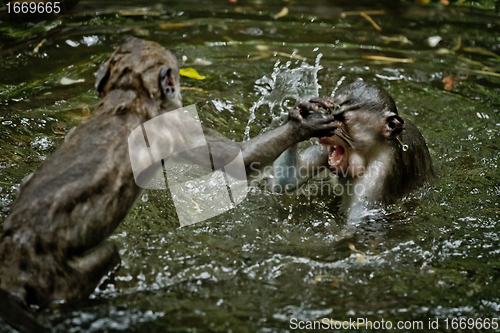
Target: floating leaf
{"x": 389, "y": 59}
{"x": 360, "y": 256}
{"x": 459, "y": 44}
{"x": 480, "y": 50}
{"x": 485, "y": 73}
{"x": 65, "y": 81}
{"x": 166, "y": 26}
{"x": 282, "y": 13}
{"x": 37, "y": 48}
{"x": 369, "y": 19}
{"x": 399, "y": 39}
{"x": 195, "y": 89}
{"x": 191, "y": 73}
{"x": 366, "y": 15}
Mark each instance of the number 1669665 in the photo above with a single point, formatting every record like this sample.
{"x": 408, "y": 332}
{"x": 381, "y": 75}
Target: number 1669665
{"x": 33, "y": 7}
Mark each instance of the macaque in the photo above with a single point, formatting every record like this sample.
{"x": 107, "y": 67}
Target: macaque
{"x": 378, "y": 156}
{"x": 54, "y": 244}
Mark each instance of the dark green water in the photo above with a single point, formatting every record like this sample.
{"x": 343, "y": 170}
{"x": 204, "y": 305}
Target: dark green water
{"x": 277, "y": 257}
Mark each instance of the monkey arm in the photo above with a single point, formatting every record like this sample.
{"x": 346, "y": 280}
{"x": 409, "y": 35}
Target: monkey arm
{"x": 292, "y": 168}
{"x": 258, "y": 152}
{"x": 264, "y": 149}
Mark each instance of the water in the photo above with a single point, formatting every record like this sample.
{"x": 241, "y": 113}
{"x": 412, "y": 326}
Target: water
{"x": 286, "y": 87}
{"x": 274, "y": 257}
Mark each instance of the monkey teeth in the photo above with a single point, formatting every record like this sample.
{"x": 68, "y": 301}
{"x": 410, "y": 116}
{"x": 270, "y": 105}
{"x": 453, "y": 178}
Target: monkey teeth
{"x": 335, "y": 156}
{"x": 332, "y": 149}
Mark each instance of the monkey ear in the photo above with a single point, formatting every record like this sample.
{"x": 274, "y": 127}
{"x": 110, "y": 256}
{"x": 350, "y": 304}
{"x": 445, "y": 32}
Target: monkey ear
{"x": 167, "y": 82}
{"x": 102, "y": 77}
{"x": 393, "y": 126}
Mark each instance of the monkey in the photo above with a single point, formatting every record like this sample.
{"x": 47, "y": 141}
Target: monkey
{"x": 377, "y": 156}
{"x": 54, "y": 246}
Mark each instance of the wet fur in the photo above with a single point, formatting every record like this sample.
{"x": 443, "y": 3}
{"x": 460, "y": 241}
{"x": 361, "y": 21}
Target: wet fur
{"x": 53, "y": 246}
{"x": 368, "y": 125}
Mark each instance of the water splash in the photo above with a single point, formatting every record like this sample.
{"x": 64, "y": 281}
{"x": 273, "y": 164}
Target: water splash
{"x": 285, "y": 86}
{"x": 339, "y": 83}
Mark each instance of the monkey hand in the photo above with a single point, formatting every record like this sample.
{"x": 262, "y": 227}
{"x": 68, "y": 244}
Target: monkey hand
{"x": 305, "y": 108}
{"x": 310, "y": 120}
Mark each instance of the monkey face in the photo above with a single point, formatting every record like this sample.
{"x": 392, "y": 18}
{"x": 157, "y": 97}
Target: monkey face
{"x": 350, "y": 145}
{"x": 366, "y": 123}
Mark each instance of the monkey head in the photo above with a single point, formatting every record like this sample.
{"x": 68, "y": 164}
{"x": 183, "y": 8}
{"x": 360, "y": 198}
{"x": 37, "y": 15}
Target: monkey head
{"x": 144, "y": 67}
{"x": 367, "y": 124}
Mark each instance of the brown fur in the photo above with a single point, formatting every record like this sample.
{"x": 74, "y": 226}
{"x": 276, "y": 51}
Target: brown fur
{"x": 53, "y": 246}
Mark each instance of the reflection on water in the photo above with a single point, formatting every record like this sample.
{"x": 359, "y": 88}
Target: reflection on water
{"x": 276, "y": 257}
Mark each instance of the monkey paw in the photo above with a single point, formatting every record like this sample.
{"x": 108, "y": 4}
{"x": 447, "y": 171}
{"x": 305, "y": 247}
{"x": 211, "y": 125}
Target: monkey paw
{"x": 303, "y": 109}
{"x": 310, "y": 120}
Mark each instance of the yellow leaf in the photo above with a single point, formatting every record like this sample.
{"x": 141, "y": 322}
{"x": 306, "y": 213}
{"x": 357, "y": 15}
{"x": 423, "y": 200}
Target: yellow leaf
{"x": 192, "y": 73}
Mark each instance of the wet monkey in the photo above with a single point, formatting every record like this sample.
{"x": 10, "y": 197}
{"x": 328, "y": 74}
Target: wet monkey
{"x": 54, "y": 246}
{"x": 378, "y": 156}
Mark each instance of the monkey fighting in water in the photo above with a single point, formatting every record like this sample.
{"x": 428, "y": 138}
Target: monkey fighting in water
{"x": 54, "y": 244}
{"x": 378, "y": 156}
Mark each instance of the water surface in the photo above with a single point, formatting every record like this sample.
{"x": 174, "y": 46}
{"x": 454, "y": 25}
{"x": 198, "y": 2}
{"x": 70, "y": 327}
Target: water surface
{"x": 277, "y": 257}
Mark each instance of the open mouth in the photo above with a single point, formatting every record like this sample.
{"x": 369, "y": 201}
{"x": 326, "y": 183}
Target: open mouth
{"x": 335, "y": 155}
{"x": 338, "y": 156}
